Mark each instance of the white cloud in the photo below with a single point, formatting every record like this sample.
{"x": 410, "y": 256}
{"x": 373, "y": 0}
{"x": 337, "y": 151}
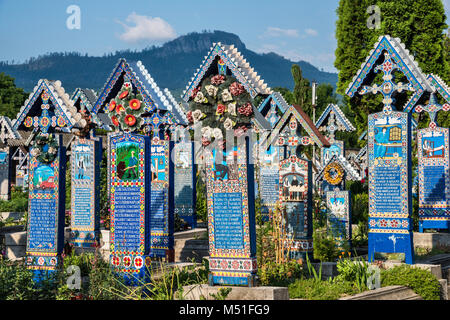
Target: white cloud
{"x": 146, "y": 28}
{"x": 275, "y": 32}
{"x": 311, "y": 32}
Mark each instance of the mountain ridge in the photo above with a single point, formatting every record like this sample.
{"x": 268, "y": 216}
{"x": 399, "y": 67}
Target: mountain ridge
{"x": 171, "y": 65}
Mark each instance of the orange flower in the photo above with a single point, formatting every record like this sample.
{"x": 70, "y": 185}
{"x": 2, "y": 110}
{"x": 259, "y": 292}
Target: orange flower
{"x": 135, "y": 104}
{"x": 112, "y": 105}
{"x": 130, "y": 120}
{"x": 119, "y": 108}
{"x": 115, "y": 121}
{"x": 123, "y": 94}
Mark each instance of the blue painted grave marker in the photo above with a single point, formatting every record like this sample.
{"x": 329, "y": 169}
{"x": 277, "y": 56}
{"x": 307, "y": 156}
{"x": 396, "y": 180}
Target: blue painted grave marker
{"x": 162, "y": 200}
{"x": 339, "y": 219}
{"x": 184, "y": 182}
{"x": 85, "y": 164}
{"x": 46, "y": 201}
{"x": 231, "y": 218}
{"x": 296, "y": 196}
{"x": 130, "y": 189}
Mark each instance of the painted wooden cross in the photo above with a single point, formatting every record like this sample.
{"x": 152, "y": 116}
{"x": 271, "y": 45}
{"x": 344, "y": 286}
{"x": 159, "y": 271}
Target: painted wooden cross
{"x": 432, "y": 108}
{"x": 289, "y": 138}
{"x": 388, "y": 87}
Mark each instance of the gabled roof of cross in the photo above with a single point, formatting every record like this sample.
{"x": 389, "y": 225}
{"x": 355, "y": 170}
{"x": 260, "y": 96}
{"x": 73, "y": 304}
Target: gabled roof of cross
{"x": 343, "y": 123}
{"x": 351, "y": 172}
{"x": 238, "y": 66}
{"x": 63, "y": 106}
{"x": 153, "y": 97}
{"x": 400, "y": 58}
{"x": 6, "y": 130}
{"x": 304, "y": 120}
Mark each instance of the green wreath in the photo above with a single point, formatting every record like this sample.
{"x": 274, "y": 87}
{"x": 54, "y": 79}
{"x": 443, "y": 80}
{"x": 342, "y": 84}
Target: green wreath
{"x": 48, "y": 142}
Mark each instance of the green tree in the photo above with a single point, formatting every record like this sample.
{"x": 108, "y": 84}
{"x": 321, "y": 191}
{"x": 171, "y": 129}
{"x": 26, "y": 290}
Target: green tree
{"x": 419, "y": 25}
{"x": 11, "y": 97}
{"x": 301, "y": 93}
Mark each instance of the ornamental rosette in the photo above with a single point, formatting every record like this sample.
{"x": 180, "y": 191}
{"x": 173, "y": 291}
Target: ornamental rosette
{"x": 221, "y": 103}
{"x": 125, "y": 110}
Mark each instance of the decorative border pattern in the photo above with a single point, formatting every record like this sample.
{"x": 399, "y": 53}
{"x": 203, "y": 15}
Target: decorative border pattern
{"x": 376, "y": 217}
{"x": 117, "y": 256}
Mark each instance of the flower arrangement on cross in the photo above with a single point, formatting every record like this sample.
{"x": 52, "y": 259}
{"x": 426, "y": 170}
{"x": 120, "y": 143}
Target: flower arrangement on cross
{"x": 45, "y": 148}
{"x": 126, "y": 109}
{"x": 221, "y": 103}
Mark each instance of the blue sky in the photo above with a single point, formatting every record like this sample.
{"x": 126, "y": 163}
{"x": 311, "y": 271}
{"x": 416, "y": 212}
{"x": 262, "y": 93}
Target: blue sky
{"x": 296, "y": 29}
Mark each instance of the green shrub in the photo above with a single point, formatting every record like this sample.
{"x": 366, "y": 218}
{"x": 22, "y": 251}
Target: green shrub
{"x": 325, "y": 247}
{"x": 273, "y": 274}
{"x": 422, "y": 282}
{"x": 355, "y": 272}
{"x": 15, "y": 281}
{"x": 313, "y": 289}
{"x": 18, "y": 202}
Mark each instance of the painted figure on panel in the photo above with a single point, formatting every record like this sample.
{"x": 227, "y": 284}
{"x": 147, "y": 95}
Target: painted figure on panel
{"x": 388, "y": 138}
{"x": 328, "y": 153}
{"x": 44, "y": 177}
{"x": 433, "y": 145}
{"x": 127, "y": 161}
{"x": 293, "y": 187}
{"x": 83, "y": 162}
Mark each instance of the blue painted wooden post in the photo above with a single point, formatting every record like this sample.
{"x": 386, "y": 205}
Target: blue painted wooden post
{"x": 185, "y": 182}
{"x": 269, "y": 172}
{"x": 46, "y": 210}
{"x": 231, "y": 218}
{"x": 390, "y": 204}
{"x": 434, "y": 178}
{"x": 296, "y": 197}
{"x": 85, "y": 164}
{"x": 339, "y": 216}
{"x": 433, "y": 167}
{"x": 130, "y": 189}
{"x": 162, "y": 200}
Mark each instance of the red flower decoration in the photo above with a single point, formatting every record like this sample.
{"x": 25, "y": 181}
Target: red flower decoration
{"x": 130, "y": 120}
{"x": 236, "y": 88}
{"x": 123, "y": 94}
{"x": 135, "y": 104}
{"x": 194, "y": 92}
{"x": 220, "y": 109}
{"x": 246, "y": 109}
{"x": 112, "y": 105}
{"x": 119, "y": 108}
{"x": 115, "y": 121}
{"x": 218, "y": 79}
{"x": 189, "y": 117}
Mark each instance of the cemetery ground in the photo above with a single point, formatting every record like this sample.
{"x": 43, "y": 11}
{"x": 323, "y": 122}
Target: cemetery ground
{"x": 334, "y": 273}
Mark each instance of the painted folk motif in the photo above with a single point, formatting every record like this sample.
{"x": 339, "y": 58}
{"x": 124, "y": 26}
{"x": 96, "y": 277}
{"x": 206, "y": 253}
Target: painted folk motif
{"x": 390, "y": 184}
{"x": 46, "y": 199}
{"x": 162, "y": 199}
{"x": 85, "y": 164}
{"x": 296, "y": 196}
{"x": 231, "y": 217}
{"x": 339, "y": 216}
{"x": 130, "y": 211}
